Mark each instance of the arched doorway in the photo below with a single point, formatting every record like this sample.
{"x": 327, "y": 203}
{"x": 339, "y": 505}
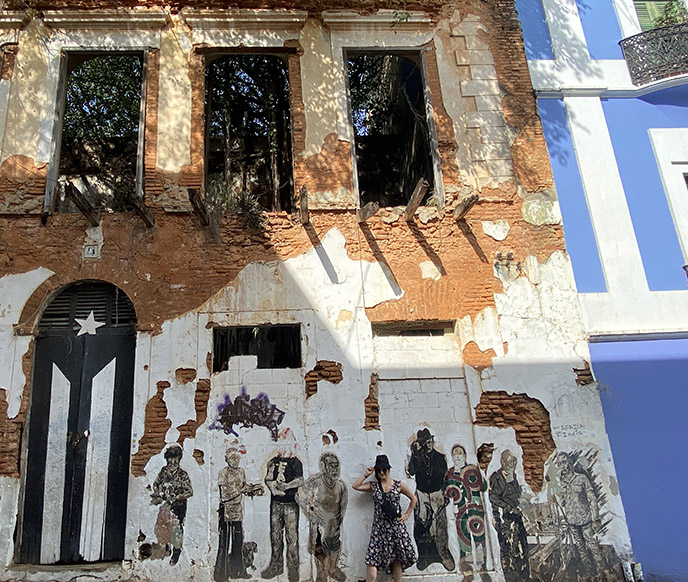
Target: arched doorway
{"x": 79, "y": 428}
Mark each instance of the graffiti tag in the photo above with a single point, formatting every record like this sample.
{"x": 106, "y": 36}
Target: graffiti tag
{"x": 246, "y": 412}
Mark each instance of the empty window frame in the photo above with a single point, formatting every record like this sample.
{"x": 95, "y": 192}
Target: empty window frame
{"x": 248, "y": 130}
{"x": 277, "y": 346}
{"x": 99, "y": 144}
{"x": 393, "y": 127}
{"x": 413, "y": 328}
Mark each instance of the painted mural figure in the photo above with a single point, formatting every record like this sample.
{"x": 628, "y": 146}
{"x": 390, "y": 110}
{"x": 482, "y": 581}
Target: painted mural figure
{"x": 429, "y": 467}
{"x": 323, "y": 498}
{"x": 464, "y": 485}
{"x": 231, "y": 481}
{"x": 578, "y": 504}
{"x": 505, "y": 496}
{"x": 283, "y": 478}
{"x": 172, "y": 487}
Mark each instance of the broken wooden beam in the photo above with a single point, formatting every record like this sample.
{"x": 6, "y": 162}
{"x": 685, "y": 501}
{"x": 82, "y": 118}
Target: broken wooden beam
{"x": 142, "y": 210}
{"x": 464, "y": 205}
{"x": 368, "y": 211}
{"x": 82, "y": 203}
{"x": 416, "y": 198}
{"x": 199, "y": 206}
{"x": 303, "y": 205}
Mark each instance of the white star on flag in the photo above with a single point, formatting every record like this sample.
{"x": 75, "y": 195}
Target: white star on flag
{"x": 88, "y": 325}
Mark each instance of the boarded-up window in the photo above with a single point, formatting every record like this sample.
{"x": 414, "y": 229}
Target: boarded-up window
{"x": 248, "y": 130}
{"x": 389, "y": 113}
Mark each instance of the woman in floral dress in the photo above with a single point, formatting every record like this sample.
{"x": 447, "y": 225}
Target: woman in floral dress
{"x": 390, "y": 545}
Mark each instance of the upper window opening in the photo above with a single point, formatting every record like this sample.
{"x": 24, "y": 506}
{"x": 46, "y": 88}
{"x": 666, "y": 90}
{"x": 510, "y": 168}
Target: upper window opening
{"x": 413, "y": 328}
{"x": 649, "y": 11}
{"x": 391, "y": 130}
{"x": 248, "y": 130}
{"x": 277, "y": 346}
{"x": 100, "y": 150}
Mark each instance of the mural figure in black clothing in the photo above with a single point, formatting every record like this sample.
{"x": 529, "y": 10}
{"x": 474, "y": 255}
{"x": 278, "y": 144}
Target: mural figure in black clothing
{"x": 283, "y": 478}
{"x": 429, "y": 467}
{"x": 505, "y": 496}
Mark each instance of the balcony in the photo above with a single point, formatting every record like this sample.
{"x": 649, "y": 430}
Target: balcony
{"x": 657, "y": 54}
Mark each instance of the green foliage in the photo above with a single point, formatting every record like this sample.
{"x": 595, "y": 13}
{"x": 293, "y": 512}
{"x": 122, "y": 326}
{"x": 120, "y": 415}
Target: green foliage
{"x": 101, "y": 124}
{"x": 221, "y": 199}
{"x": 675, "y": 12}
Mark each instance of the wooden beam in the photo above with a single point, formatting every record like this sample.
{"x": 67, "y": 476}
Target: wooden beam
{"x": 303, "y": 205}
{"x": 82, "y": 203}
{"x": 464, "y": 205}
{"x": 142, "y": 210}
{"x": 199, "y": 206}
{"x": 368, "y": 211}
{"x": 416, "y": 198}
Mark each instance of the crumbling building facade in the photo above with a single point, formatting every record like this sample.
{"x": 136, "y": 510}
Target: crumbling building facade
{"x": 243, "y": 250}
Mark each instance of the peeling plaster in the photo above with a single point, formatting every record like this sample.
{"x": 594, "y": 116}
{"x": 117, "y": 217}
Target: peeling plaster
{"x": 497, "y": 229}
{"x": 540, "y": 212}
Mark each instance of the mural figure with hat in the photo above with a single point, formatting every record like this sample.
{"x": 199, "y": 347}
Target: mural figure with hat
{"x": 505, "y": 496}
{"x": 232, "y": 484}
{"x": 323, "y": 499}
{"x": 464, "y": 485}
{"x": 429, "y": 467}
{"x": 390, "y": 545}
{"x": 171, "y": 489}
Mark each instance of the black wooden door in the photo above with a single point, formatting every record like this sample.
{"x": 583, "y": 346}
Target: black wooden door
{"x": 75, "y": 486}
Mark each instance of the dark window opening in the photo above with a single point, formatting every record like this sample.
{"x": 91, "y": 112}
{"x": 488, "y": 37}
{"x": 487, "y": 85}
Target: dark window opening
{"x": 413, "y": 328}
{"x": 277, "y": 346}
{"x": 248, "y": 131}
{"x": 99, "y": 151}
{"x": 391, "y": 130}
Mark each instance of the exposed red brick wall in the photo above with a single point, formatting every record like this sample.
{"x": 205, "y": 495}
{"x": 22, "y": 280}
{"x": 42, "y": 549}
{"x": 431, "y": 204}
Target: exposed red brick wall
{"x": 323, "y": 370}
{"x": 9, "y": 56}
{"x": 530, "y": 421}
{"x": 189, "y": 428}
{"x": 372, "y": 407}
{"x": 156, "y": 425}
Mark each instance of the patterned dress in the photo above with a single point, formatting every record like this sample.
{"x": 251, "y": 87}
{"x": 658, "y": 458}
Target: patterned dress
{"x": 389, "y": 540}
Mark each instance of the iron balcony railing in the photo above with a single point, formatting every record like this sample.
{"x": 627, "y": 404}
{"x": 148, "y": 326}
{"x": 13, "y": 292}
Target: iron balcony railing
{"x": 657, "y": 54}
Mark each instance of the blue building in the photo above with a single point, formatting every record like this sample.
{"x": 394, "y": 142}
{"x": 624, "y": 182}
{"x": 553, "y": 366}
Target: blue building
{"x": 613, "y": 98}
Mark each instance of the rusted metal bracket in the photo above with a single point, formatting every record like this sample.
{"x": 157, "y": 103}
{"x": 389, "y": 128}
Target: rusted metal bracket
{"x": 303, "y": 205}
{"x": 82, "y": 203}
{"x": 368, "y": 211}
{"x": 464, "y": 205}
{"x": 416, "y": 198}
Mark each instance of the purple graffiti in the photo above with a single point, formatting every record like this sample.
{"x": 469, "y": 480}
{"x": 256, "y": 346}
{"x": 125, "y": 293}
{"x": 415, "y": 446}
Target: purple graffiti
{"x": 247, "y": 412}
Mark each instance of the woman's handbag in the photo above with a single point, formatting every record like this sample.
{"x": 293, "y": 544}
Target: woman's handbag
{"x": 388, "y": 508}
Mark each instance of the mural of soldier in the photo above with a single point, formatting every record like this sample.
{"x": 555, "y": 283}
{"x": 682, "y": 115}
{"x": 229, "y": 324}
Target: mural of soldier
{"x": 578, "y": 504}
{"x": 232, "y": 484}
{"x": 505, "y": 496}
{"x": 464, "y": 485}
{"x": 429, "y": 467}
{"x": 171, "y": 488}
{"x": 283, "y": 478}
{"x": 323, "y": 499}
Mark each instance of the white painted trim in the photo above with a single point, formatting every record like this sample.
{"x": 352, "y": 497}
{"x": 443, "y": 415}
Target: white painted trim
{"x": 106, "y": 19}
{"x": 671, "y": 152}
{"x": 97, "y": 463}
{"x": 260, "y": 19}
{"x": 566, "y": 31}
{"x": 627, "y": 17}
{"x": 611, "y": 219}
{"x": 387, "y": 19}
{"x": 53, "y": 494}
{"x": 9, "y": 20}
